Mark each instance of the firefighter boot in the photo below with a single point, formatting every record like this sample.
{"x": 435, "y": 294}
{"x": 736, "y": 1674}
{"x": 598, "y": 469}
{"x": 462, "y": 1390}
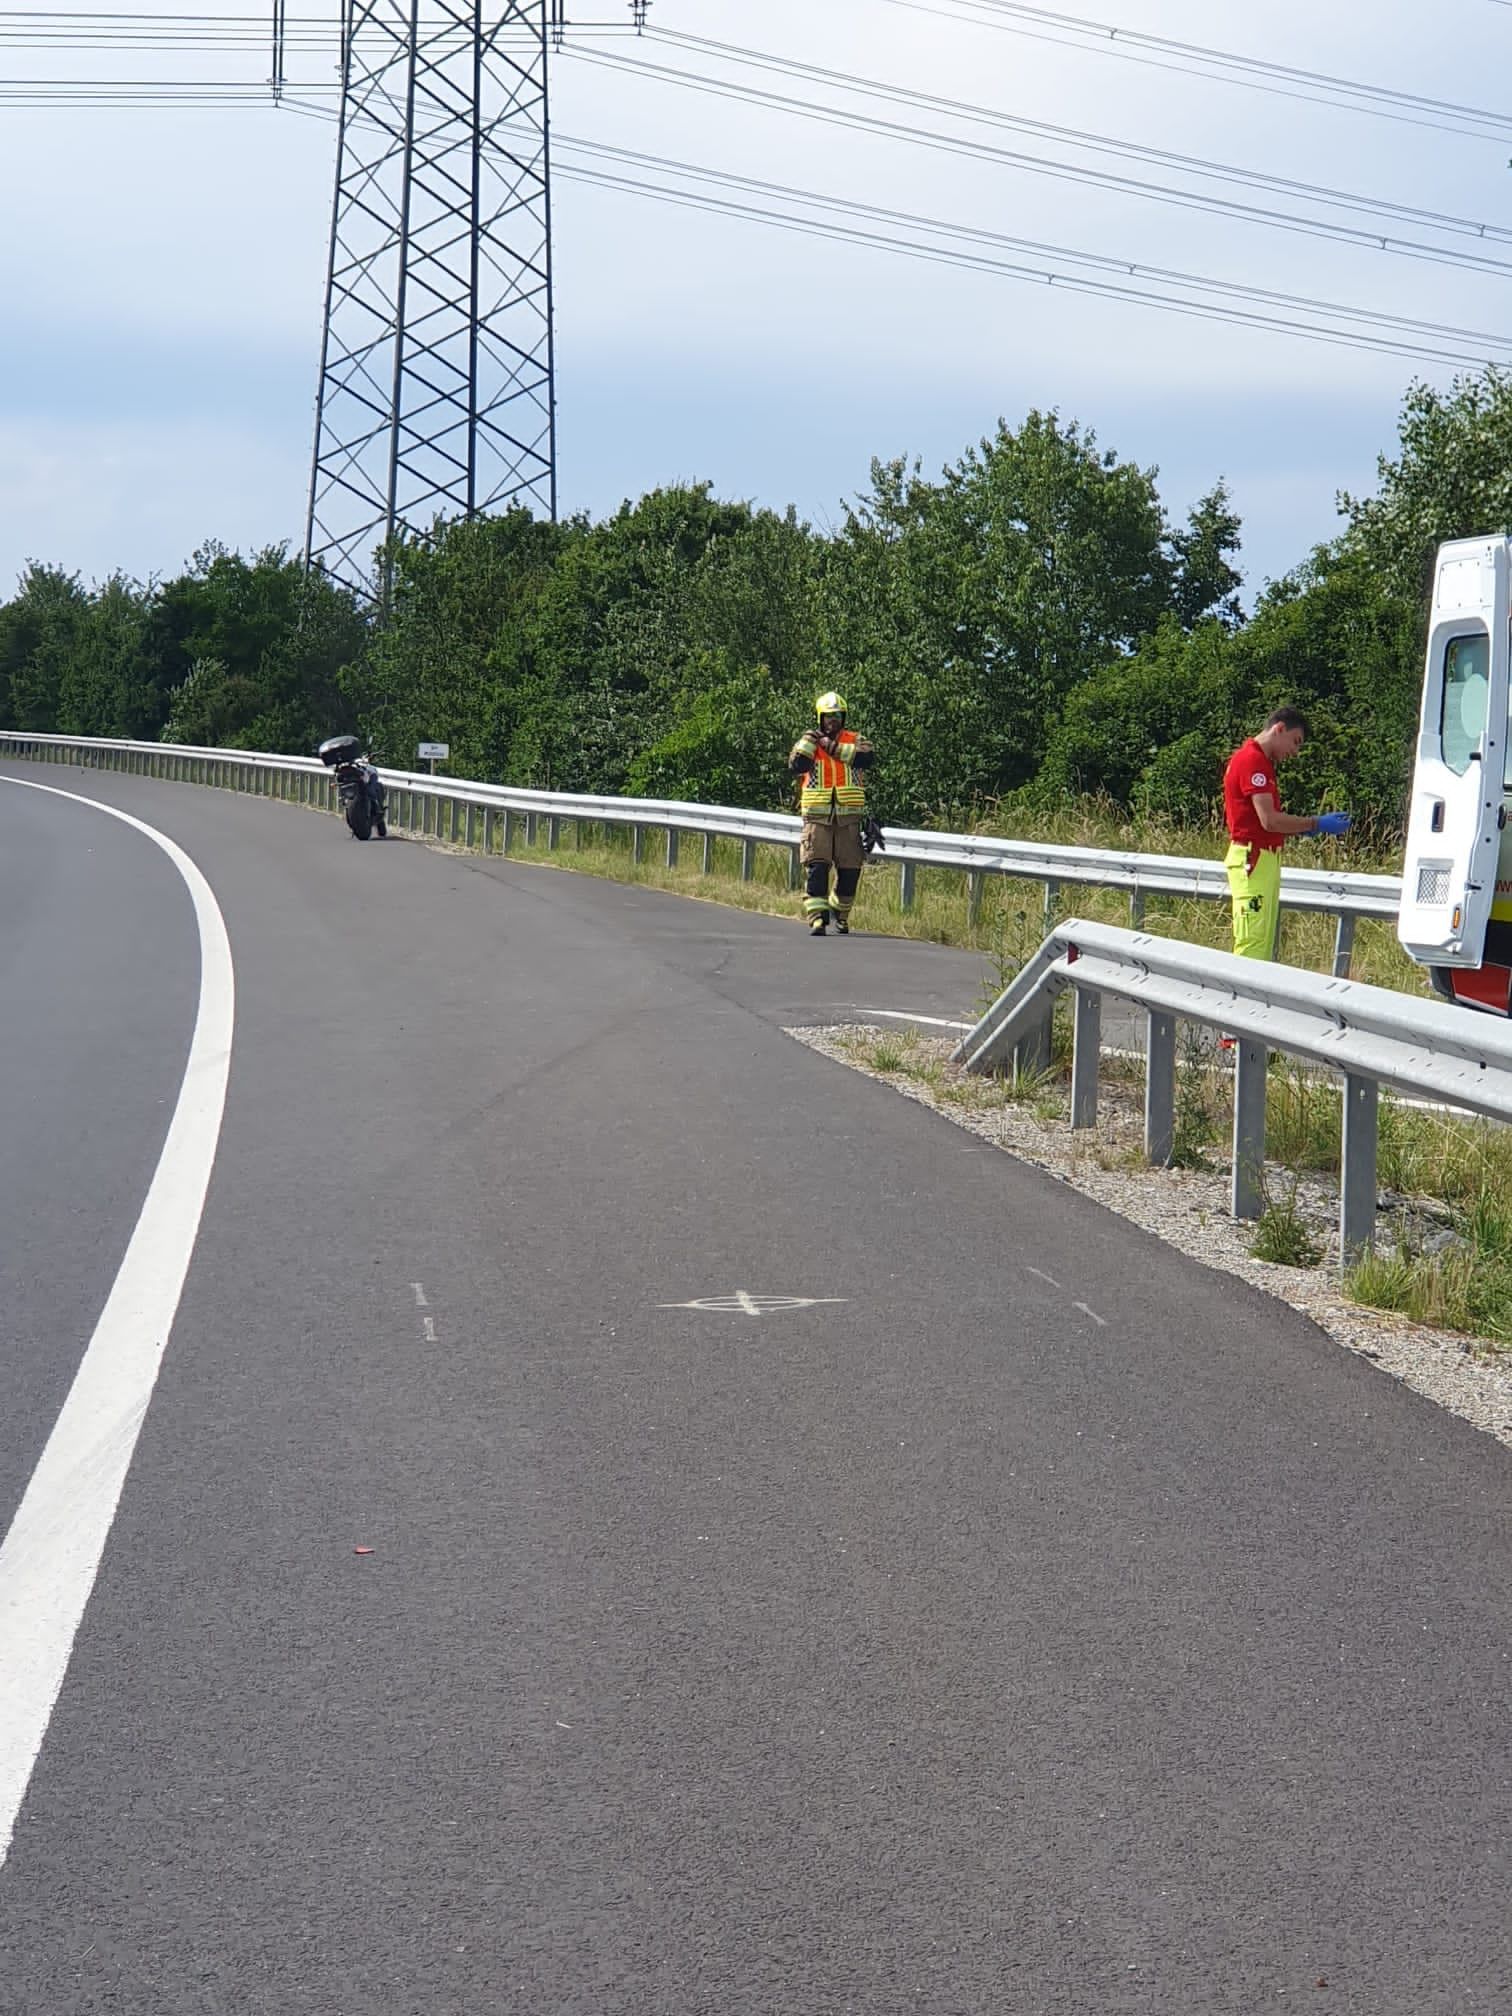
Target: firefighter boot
{"x": 847, "y": 881}
{"x": 816, "y": 902}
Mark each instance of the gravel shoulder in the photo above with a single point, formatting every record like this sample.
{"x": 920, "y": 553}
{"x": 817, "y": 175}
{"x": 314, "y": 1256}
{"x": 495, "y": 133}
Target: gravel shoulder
{"x": 1188, "y": 1208}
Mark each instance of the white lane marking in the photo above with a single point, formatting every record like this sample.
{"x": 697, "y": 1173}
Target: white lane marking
{"x": 430, "y": 1329}
{"x": 1098, "y": 1320}
{"x": 1040, "y": 1275}
{"x": 52, "y": 1553}
{"x": 420, "y": 1301}
{"x": 897, "y": 1015}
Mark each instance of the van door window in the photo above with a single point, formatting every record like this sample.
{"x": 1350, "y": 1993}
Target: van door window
{"x": 1466, "y": 692}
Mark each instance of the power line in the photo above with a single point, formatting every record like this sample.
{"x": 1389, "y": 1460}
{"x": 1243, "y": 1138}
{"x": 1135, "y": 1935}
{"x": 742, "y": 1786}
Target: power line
{"x": 1377, "y": 329}
{"x": 1096, "y": 142}
{"x": 962, "y": 246}
{"x": 1191, "y": 59}
{"x": 193, "y": 33}
{"x": 1234, "y": 315}
{"x": 1313, "y": 227}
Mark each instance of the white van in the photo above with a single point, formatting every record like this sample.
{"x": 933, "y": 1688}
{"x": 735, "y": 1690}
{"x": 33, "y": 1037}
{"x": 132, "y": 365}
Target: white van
{"x": 1456, "y": 914}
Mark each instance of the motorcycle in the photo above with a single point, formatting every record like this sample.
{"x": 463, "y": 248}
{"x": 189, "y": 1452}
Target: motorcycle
{"x": 359, "y": 789}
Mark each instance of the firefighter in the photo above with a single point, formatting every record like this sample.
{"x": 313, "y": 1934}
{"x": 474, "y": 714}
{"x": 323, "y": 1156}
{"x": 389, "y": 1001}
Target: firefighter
{"x": 832, "y": 761}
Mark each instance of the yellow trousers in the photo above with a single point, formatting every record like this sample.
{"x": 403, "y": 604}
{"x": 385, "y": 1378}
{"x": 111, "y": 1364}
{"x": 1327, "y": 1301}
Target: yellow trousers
{"x": 1257, "y": 899}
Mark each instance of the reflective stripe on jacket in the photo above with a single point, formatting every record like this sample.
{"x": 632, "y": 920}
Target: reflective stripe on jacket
{"x": 831, "y": 784}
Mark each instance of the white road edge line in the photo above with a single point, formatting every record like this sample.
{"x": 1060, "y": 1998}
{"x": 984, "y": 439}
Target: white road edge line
{"x": 52, "y": 1553}
{"x": 898, "y": 1015}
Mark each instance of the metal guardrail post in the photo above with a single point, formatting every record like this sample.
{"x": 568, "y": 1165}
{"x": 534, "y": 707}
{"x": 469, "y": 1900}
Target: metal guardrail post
{"x": 747, "y": 860}
{"x": 470, "y": 829}
{"x": 1085, "y": 1057}
{"x": 489, "y": 818}
{"x": 906, "y": 885}
{"x": 1357, "y": 1166}
{"x": 1343, "y": 947}
{"x": 509, "y": 831}
{"x": 455, "y": 827}
{"x": 637, "y": 844}
{"x": 1136, "y": 909}
{"x": 1160, "y": 1089}
{"x": 1247, "y": 1193}
{"x": 795, "y": 868}
{"x": 974, "y": 881}
{"x": 1052, "y": 904}
{"x": 672, "y": 840}
{"x": 532, "y": 828}
{"x": 1033, "y": 1055}
{"x": 708, "y": 854}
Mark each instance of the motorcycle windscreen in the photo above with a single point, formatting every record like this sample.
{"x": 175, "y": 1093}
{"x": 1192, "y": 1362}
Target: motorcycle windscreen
{"x": 1454, "y": 817}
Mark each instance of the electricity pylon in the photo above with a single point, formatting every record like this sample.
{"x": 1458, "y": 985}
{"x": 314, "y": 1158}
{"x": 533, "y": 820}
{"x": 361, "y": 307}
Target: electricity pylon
{"x": 437, "y": 375}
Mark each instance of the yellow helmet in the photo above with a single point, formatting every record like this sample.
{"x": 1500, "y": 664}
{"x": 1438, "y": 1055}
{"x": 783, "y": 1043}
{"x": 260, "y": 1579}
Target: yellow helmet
{"x": 829, "y": 703}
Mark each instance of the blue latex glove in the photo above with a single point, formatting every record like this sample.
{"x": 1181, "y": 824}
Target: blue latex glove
{"x": 1333, "y": 823}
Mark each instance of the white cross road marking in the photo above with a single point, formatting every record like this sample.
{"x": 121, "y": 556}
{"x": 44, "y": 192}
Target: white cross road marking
{"x": 420, "y": 1301}
{"x": 1100, "y": 1321}
{"x": 743, "y": 1304}
{"x": 1040, "y": 1275}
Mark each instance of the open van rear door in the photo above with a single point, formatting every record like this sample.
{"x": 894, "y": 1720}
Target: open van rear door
{"x": 1455, "y": 816}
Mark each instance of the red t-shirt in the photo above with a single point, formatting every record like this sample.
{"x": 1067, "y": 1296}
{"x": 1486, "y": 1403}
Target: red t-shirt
{"x": 1250, "y": 771}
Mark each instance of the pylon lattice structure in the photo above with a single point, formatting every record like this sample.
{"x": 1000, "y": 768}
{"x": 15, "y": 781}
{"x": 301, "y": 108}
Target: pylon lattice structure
{"x": 437, "y": 395}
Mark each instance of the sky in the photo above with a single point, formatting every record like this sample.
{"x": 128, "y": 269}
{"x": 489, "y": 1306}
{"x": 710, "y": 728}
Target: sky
{"x": 162, "y": 269}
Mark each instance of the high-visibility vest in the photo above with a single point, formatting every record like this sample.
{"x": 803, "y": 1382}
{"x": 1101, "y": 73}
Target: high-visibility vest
{"x": 832, "y": 786}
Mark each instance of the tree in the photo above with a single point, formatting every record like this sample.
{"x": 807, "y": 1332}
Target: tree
{"x": 971, "y": 609}
{"x": 1451, "y": 479}
{"x": 1334, "y": 640}
{"x": 282, "y": 639}
{"x": 1206, "y": 582}
{"x": 1150, "y": 729}
{"x": 39, "y": 631}
{"x": 107, "y": 684}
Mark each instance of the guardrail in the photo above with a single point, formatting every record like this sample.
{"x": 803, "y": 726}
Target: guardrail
{"x": 482, "y": 814}
{"x": 1370, "y": 1035}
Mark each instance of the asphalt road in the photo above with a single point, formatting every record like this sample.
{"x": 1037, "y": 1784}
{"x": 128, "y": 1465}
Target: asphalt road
{"x": 1036, "y": 1622}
